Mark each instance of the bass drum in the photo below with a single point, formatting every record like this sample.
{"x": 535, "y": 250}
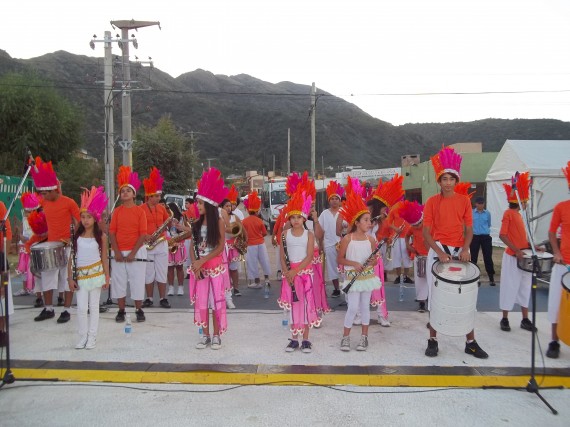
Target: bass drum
{"x": 454, "y": 297}
{"x": 563, "y": 328}
{"x": 47, "y": 256}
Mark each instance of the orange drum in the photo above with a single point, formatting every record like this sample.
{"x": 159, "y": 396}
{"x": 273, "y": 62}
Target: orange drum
{"x": 563, "y": 328}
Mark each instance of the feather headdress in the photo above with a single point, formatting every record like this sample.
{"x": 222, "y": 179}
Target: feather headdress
{"x": 211, "y": 188}
{"x": 44, "y": 176}
{"x": 293, "y": 181}
{"x": 299, "y": 204}
{"x": 446, "y": 161}
{"x": 390, "y": 192}
{"x": 334, "y": 189}
{"x": 233, "y": 194}
{"x": 411, "y": 212}
{"x": 253, "y": 202}
{"x": 153, "y": 184}
{"x": 127, "y": 178}
{"x": 463, "y": 188}
{"x": 38, "y": 222}
{"x": 566, "y": 172}
{"x": 520, "y": 182}
{"x": 94, "y": 202}
{"x": 30, "y": 201}
{"x": 353, "y": 207}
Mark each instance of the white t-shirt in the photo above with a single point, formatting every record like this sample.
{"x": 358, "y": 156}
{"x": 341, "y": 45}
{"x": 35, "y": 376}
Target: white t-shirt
{"x": 328, "y": 223}
{"x": 237, "y": 212}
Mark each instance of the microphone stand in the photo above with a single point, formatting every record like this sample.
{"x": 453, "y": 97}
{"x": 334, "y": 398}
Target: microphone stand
{"x": 8, "y": 377}
{"x": 532, "y": 386}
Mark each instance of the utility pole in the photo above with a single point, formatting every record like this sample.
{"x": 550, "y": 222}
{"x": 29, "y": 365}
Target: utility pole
{"x": 313, "y": 136}
{"x": 288, "y": 151}
{"x": 125, "y": 25}
{"x": 274, "y": 164}
{"x": 192, "y": 144}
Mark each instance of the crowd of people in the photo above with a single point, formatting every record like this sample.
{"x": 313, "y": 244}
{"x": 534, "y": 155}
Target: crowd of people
{"x": 363, "y": 233}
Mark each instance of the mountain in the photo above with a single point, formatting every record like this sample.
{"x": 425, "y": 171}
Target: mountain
{"x": 241, "y": 122}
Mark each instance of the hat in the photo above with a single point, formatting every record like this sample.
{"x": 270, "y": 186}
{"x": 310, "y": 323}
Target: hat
{"x": 446, "y": 161}
{"x": 411, "y": 212}
{"x": 390, "y": 192}
{"x": 232, "y": 194}
{"x": 30, "y": 201}
{"x": 463, "y": 188}
{"x": 94, "y": 202}
{"x": 353, "y": 207}
{"x": 253, "y": 202}
{"x": 299, "y": 204}
{"x": 334, "y": 189}
{"x": 44, "y": 176}
{"x": 293, "y": 181}
{"x": 521, "y": 183}
{"x": 127, "y": 178}
{"x": 353, "y": 185}
{"x": 211, "y": 188}
{"x": 566, "y": 172}
{"x": 38, "y": 222}
{"x": 153, "y": 184}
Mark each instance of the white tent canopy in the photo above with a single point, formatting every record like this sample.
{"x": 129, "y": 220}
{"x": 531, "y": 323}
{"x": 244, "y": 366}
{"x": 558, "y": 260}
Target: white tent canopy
{"x": 544, "y": 160}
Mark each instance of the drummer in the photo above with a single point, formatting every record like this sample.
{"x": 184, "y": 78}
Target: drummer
{"x": 448, "y": 222}
{"x": 60, "y": 211}
{"x": 515, "y": 283}
{"x": 560, "y": 218}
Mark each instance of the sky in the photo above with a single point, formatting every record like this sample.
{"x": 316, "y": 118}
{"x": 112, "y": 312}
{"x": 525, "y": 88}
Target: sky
{"x": 402, "y": 61}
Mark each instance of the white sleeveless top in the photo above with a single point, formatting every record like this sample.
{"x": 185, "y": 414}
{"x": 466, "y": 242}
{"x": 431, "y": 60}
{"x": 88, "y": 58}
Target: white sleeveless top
{"x": 87, "y": 251}
{"x": 357, "y": 250}
{"x": 202, "y": 246}
{"x": 297, "y": 246}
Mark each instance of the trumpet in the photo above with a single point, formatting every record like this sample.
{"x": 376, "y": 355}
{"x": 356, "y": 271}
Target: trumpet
{"x": 157, "y": 237}
{"x": 392, "y": 241}
{"x": 240, "y": 243}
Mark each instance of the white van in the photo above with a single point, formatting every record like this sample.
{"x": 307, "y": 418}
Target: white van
{"x": 176, "y": 198}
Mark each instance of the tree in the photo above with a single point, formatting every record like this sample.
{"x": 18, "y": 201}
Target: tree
{"x": 169, "y": 150}
{"x": 34, "y": 116}
{"x": 76, "y": 174}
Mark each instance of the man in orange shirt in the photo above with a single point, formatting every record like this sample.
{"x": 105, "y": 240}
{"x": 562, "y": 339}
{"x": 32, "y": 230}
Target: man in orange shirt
{"x": 560, "y": 218}
{"x": 156, "y": 216}
{"x": 127, "y": 234}
{"x": 448, "y": 221}
{"x": 59, "y": 211}
{"x": 3, "y": 254}
{"x": 256, "y": 250}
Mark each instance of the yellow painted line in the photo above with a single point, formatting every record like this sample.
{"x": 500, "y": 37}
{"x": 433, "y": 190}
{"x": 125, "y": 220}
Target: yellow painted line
{"x": 219, "y": 378}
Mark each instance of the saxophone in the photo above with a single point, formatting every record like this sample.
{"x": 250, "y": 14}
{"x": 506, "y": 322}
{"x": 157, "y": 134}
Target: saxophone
{"x": 157, "y": 236}
{"x": 173, "y": 242}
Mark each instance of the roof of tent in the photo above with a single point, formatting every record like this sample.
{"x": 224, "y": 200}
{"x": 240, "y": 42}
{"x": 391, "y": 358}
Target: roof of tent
{"x": 541, "y": 158}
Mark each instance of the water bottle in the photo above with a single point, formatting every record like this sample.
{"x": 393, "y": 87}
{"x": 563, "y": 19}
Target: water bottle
{"x": 266, "y": 291}
{"x": 201, "y": 332}
{"x": 401, "y": 287}
{"x": 128, "y": 327}
{"x": 285, "y": 320}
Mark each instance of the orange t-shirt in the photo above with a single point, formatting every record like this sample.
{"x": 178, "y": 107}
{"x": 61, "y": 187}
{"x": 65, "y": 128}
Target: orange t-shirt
{"x": 3, "y": 211}
{"x": 448, "y": 217}
{"x": 128, "y": 224}
{"x": 255, "y": 229}
{"x": 155, "y": 217}
{"x": 58, "y": 217}
{"x": 512, "y": 226}
{"x": 418, "y": 242}
{"x": 395, "y": 220}
{"x": 561, "y": 218}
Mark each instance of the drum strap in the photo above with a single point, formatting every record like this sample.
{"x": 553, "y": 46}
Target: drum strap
{"x": 455, "y": 251}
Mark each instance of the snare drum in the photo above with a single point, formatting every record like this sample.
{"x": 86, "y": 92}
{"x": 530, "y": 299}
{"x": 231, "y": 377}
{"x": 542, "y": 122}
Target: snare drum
{"x": 47, "y": 256}
{"x": 563, "y": 328}
{"x": 454, "y": 297}
{"x": 421, "y": 262}
{"x": 545, "y": 260}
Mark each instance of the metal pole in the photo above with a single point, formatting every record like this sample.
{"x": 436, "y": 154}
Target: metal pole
{"x": 288, "y": 151}
{"x": 109, "y": 125}
{"x": 126, "y": 104}
{"x": 313, "y": 137}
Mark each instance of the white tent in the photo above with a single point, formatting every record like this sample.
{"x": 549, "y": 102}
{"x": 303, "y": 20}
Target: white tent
{"x": 544, "y": 160}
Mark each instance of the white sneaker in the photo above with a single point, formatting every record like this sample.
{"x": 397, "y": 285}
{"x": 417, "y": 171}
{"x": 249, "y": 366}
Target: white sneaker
{"x": 229, "y": 303}
{"x": 363, "y": 344}
{"x": 180, "y": 290}
{"x": 345, "y": 344}
{"x": 279, "y": 275}
{"x": 383, "y": 321}
{"x": 216, "y": 343}
{"x": 81, "y": 343}
{"x": 357, "y": 320}
{"x": 170, "y": 290}
{"x": 91, "y": 342}
{"x": 21, "y": 293}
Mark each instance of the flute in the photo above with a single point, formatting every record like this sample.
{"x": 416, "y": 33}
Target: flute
{"x": 73, "y": 254}
{"x": 288, "y": 265}
{"x": 196, "y": 247}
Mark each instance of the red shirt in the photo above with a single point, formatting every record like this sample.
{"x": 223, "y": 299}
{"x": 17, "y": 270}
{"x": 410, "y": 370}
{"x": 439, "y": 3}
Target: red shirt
{"x": 448, "y": 217}
{"x": 58, "y": 217}
{"x": 255, "y": 229}
{"x": 418, "y": 242}
{"x": 512, "y": 226}
{"x": 561, "y": 218}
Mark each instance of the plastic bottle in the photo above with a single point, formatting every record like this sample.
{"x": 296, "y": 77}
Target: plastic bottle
{"x": 285, "y": 320}
{"x": 266, "y": 291}
{"x": 401, "y": 287}
{"x": 201, "y": 332}
{"x": 128, "y": 327}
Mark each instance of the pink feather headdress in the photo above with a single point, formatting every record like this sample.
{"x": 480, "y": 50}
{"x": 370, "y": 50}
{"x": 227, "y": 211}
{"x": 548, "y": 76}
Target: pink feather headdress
{"x": 127, "y": 178}
{"x": 354, "y": 186}
{"x": 446, "y": 161}
{"x": 293, "y": 181}
{"x": 411, "y": 212}
{"x": 211, "y": 188}
{"x": 44, "y": 176}
{"x": 334, "y": 189}
{"x": 94, "y": 202}
{"x": 30, "y": 201}
{"x": 153, "y": 184}
{"x": 299, "y": 204}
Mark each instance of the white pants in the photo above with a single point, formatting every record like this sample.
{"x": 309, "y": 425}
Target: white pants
{"x": 87, "y": 299}
{"x": 421, "y": 283}
{"x": 56, "y": 279}
{"x": 358, "y": 302}
{"x": 132, "y": 273}
{"x": 331, "y": 263}
{"x": 554, "y": 292}
{"x": 516, "y": 284}
{"x": 257, "y": 254}
{"x": 157, "y": 270}
{"x": 400, "y": 257}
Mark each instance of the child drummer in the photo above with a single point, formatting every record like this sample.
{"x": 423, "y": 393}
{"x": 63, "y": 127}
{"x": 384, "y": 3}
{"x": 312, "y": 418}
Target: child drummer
{"x": 448, "y": 221}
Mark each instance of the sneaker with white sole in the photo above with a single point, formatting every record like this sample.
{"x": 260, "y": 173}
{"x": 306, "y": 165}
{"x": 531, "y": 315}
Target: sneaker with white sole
{"x": 292, "y": 346}
{"x": 170, "y": 291}
{"x": 180, "y": 290}
{"x": 306, "y": 346}
{"x": 384, "y": 322}
{"x": 229, "y": 303}
{"x": 91, "y": 342}
{"x": 204, "y": 342}
{"x": 345, "y": 343}
{"x": 363, "y": 344}
{"x": 216, "y": 343}
{"x": 81, "y": 343}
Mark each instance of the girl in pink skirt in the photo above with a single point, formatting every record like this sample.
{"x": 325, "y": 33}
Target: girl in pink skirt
{"x": 176, "y": 259}
{"x": 297, "y": 284}
{"x": 207, "y": 268}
